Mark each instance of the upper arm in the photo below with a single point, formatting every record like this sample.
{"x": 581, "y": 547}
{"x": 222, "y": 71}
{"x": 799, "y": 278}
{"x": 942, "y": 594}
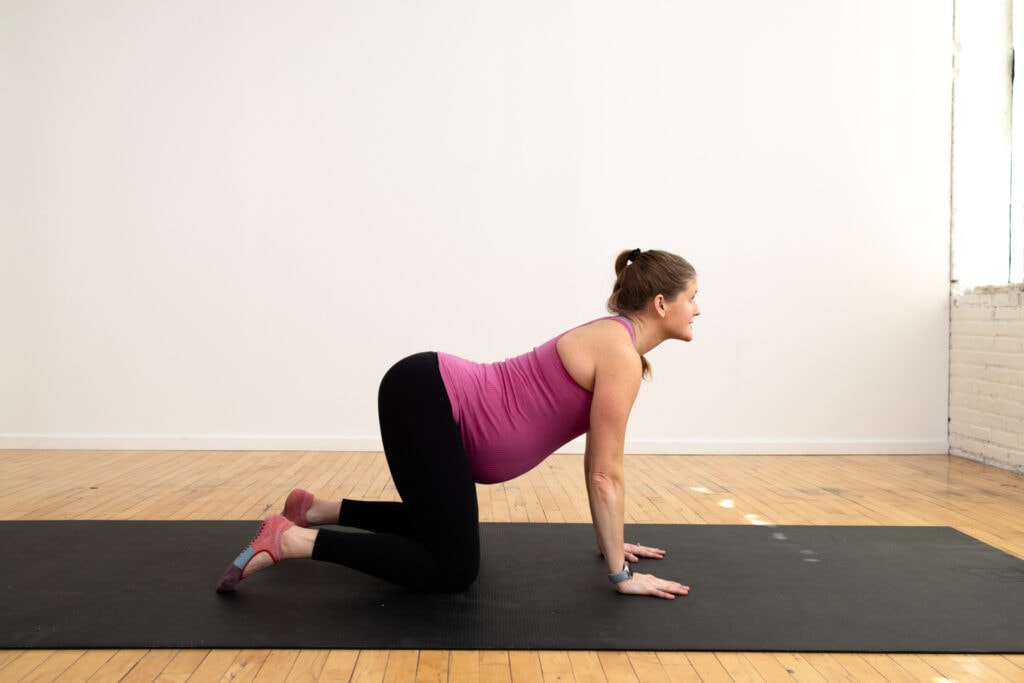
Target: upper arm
{"x": 616, "y": 384}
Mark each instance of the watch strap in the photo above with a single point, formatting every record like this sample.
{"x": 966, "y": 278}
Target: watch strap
{"x": 624, "y": 575}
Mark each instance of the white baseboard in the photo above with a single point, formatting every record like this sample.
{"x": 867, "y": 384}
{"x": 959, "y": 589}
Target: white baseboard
{"x": 229, "y": 442}
{"x": 756, "y": 447}
{"x": 197, "y": 442}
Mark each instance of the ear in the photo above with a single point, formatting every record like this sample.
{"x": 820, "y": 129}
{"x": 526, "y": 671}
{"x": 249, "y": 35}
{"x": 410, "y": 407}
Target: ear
{"x": 658, "y": 305}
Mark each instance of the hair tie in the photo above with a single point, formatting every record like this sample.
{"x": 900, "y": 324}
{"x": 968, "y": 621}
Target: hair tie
{"x": 633, "y": 256}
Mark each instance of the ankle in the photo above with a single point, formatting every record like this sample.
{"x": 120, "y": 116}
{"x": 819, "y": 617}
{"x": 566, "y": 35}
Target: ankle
{"x": 297, "y": 543}
{"x": 322, "y": 512}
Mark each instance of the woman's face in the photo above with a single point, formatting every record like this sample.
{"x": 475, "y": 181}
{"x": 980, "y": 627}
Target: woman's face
{"x": 680, "y": 312}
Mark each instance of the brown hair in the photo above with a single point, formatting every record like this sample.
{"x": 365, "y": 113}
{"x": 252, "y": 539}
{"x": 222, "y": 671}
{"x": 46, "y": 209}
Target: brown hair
{"x": 642, "y": 275}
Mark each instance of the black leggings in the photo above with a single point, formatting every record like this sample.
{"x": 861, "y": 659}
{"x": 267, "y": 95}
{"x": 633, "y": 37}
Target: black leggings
{"x": 431, "y": 539}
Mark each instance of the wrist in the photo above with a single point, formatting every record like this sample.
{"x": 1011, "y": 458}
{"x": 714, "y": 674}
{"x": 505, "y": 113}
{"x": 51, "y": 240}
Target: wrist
{"x": 619, "y": 577}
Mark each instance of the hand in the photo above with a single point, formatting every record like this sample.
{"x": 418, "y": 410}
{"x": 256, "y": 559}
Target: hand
{"x": 634, "y": 552}
{"x": 648, "y": 584}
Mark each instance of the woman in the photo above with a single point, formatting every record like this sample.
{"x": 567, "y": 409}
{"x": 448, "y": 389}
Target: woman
{"x": 448, "y": 424}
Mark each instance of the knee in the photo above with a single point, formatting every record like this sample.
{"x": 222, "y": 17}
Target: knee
{"x": 457, "y": 577}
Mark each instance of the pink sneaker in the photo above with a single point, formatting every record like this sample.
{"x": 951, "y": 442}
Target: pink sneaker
{"x": 297, "y": 505}
{"x": 267, "y": 540}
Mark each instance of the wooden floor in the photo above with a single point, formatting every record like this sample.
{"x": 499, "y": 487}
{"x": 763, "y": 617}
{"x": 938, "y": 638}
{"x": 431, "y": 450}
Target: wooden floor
{"x": 984, "y": 502}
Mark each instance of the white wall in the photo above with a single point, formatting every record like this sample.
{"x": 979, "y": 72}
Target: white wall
{"x": 220, "y": 222}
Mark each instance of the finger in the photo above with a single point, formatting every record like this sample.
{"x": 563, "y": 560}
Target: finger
{"x": 630, "y": 557}
{"x": 661, "y": 591}
{"x": 672, "y": 587}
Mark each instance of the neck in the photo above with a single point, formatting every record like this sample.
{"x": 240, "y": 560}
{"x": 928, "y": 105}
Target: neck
{"x": 648, "y": 332}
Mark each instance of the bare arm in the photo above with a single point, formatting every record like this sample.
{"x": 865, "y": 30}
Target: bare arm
{"x": 616, "y": 383}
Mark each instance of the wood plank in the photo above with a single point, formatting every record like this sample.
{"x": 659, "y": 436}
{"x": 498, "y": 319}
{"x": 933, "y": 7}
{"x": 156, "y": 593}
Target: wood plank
{"x": 677, "y": 667}
{"x": 340, "y": 665}
{"x": 308, "y": 666}
{"x": 246, "y": 665}
{"x": 708, "y": 667}
{"x": 432, "y": 666}
{"x": 401, "y": 666}
{"x": 555, "y": 665}
{"x": 215, "y": 666}
{"x": 768, "y": 667}
{"x": 183, "y": 664}
{"x": 54, "y": 667}
{"x": 586, "y": 667}
{"x": 25, "y": 663}
{"x": 525, "y": 667}
{"x": 463, "y": 665}
{"x": 494, "y": 666}
{"x": 857, "y": 668}
{"x": 970, "y": 668}
{"x": 370, "y": 666}
{"x": 646, "y": 668}
{"x": 277, "y": 666}
{"x": 1009, "y": 667}
{"x": 891, "y": 668}
{"x": 800, "y": 668}
{"x": 117, "y": 666}
{"x": 617, "y": 666}
{"x": 148, "y": 667}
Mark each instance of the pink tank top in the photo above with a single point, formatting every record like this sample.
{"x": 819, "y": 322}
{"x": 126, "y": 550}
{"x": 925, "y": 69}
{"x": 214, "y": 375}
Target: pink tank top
{"x": 515, "y": 413}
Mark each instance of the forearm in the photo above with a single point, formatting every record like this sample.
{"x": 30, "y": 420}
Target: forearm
{"x": 607, "y": 509}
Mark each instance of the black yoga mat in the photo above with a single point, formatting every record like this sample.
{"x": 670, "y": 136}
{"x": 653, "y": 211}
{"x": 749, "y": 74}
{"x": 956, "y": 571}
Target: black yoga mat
{"x": 134, "y": 584}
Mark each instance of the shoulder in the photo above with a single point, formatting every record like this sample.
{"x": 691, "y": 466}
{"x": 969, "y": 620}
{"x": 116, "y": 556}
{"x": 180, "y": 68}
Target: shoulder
{"x": 618, "y": 371}
{"x": 615, "y": 355}
{"x": 598, "y": 349}
{"x": 619, "y": 362}
{"x": 605, "y": 332}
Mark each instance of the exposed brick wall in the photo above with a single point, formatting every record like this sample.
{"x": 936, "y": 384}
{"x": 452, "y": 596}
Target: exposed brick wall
{"x": 986, "y": 376}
